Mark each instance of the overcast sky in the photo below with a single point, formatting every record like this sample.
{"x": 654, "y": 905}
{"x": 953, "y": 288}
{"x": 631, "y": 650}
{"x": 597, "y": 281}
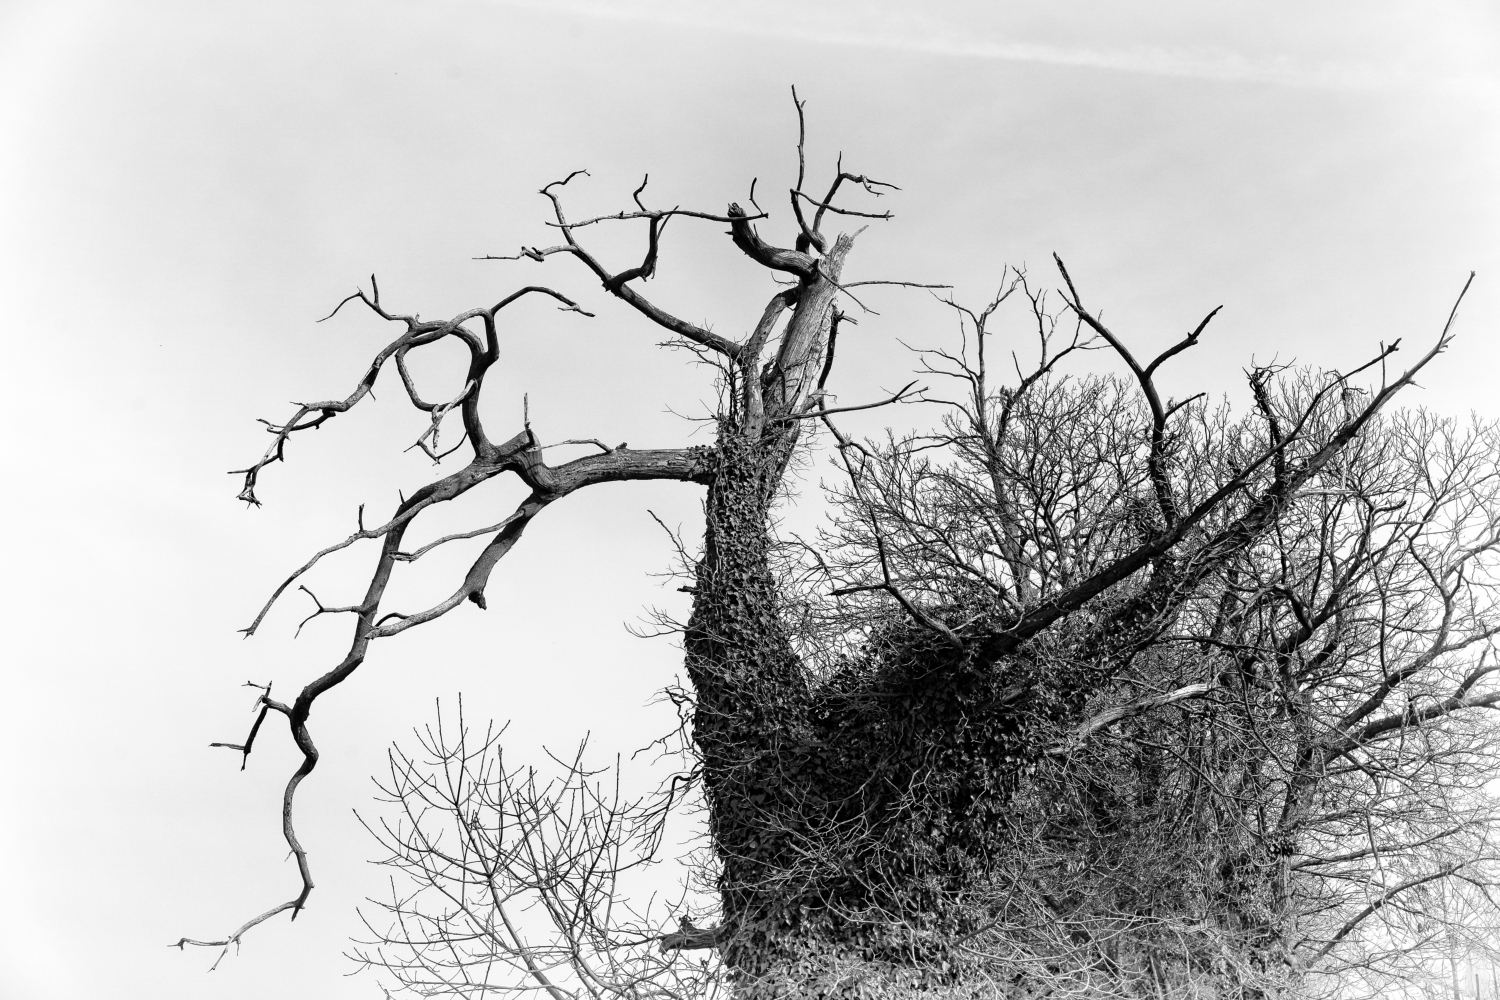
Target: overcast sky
{"x": 186, "y": 187}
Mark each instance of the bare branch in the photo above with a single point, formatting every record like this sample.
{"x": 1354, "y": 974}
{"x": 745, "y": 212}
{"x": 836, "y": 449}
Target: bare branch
{"x": 1119, "y": 713}
{"x": 824, "y": 411}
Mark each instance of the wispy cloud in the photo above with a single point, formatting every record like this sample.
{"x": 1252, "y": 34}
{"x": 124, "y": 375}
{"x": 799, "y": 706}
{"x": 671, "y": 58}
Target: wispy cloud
{"x": 874, "y": 26}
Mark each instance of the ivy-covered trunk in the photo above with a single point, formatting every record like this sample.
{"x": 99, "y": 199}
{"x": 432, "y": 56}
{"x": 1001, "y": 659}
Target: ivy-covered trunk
{"x": 850, "y": 813}
{"x": 764, "y": 763}
{"x": 750, "y": 723}
{"x": 857, "y": 817}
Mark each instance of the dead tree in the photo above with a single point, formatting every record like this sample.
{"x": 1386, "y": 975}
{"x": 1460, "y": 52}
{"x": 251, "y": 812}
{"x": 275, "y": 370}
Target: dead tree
{"x": 874, "y": 786}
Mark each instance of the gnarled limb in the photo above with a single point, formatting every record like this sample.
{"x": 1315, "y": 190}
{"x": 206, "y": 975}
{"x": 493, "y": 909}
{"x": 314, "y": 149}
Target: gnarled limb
{"x": 689, "y": 937}
{"x": 745, "y": 237}
{"x": 1156, "y": 463}
{"x": 520, "y": 455}
{"x": 617, "y": 284}
{"x": 482, "y": 354}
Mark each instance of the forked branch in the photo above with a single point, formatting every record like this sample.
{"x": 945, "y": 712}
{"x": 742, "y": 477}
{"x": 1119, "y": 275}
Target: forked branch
{"x": 1240, "y": 532}
{"x": 1157, "y": 461}
{"x": 482, "y": 354}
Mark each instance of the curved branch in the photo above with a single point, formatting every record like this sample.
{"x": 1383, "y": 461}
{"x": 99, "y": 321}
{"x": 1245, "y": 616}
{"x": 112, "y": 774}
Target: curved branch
{"x": 234, "y": 938}
{"x": 418, "y": 334}
{"x": 1414, "y": 716}
{"x": 1380, "y": 901}
{"x": 617, "y": 286}
{"x": 474, "y": 582}
{"x": 1156, "y": 463}
{"x": 744, "y": 236}
{"x": 1119, "y": 713}
{"x": 444, "y": 489}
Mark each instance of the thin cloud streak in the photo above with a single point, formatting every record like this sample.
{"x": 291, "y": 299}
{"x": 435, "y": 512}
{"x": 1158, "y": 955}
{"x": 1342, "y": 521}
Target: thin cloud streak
{"x": 907, "y": 32}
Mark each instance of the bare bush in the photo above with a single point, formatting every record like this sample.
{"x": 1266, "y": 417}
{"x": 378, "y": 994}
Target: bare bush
{"x": 504, "y": 883}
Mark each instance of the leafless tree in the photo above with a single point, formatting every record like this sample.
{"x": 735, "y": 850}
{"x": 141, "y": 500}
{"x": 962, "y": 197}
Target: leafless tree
{"x": 504, "y": 883}
{"x": 1273, "y": 786}
{"x": 1088, "y": 692}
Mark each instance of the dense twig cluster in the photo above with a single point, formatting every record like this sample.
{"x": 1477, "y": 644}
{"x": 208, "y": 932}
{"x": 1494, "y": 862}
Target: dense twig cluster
{"x": 1289, "y": 753}
{"x": 508, "y": 884}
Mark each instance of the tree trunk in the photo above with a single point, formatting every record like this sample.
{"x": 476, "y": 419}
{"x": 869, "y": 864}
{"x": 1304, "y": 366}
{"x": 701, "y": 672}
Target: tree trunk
{"x": 832, "y": 884}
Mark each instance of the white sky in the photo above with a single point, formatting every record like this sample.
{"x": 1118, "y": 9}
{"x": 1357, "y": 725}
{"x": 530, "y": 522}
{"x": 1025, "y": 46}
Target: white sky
{"x": 185, "y": 187}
